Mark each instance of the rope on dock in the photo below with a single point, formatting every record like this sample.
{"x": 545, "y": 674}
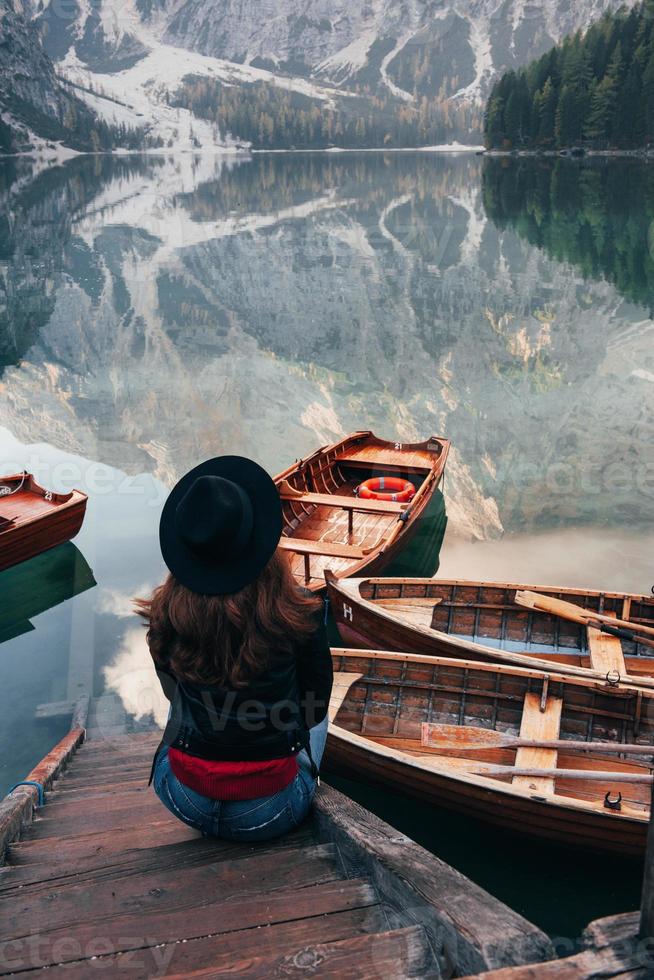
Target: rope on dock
{"x": 30, "y": 782}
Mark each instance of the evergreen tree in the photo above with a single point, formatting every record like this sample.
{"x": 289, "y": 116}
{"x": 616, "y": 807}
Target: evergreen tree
{"x": 596, "y": 86}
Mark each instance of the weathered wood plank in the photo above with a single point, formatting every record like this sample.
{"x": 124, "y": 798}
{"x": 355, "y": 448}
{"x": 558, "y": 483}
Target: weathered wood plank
{"x": 109, "y": 790}
{"x": 152, "y": 893}
{"x": 396, "y": 953}
{"x": 542, "y": 726}
{"x": 194, "y": 920}
{"x": 185, "y": 958}
{"x": 343, "y": 681}
{"x": 98, "y": 821}
{"x": 106, "y": 843}
{"x": 371, "y": 506}
{"x": 589, "y": 965}
{"x": 606, "y": 654}
{"x": 465, "y": 924}
{"x": 179, "y": 856}
{"x": 329, "y": 549}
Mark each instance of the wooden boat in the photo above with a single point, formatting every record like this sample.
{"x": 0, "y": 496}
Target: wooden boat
{"x": 381, "y": 701}
{"x": 33, "y": 519}
{"x": 327, "y": 526}
{"x": 481, "y": 621}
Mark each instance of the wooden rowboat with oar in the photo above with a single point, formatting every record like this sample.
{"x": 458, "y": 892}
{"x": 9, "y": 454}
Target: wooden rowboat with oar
{"x": 33, "y": 519}
{"x": 326, "y": 525}
{"x": 499, "y": 743}
{"x": 486, "y": 621}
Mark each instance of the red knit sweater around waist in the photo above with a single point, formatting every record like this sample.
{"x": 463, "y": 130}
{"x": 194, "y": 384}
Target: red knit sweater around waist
{"x": 232, "y": 780}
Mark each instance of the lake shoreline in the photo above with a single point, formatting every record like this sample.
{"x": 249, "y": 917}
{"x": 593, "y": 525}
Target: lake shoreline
{"x": 57, "y": 159}
{"x": 641, "y": 154}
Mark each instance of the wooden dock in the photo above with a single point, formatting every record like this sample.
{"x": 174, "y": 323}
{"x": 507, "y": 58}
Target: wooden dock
{"x": 101, "y": 879}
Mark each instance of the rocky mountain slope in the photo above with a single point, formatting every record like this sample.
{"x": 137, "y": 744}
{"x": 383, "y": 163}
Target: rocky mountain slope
{"x": 126, "y": 58}
{"x": 33, "y": 102}
{"x": 412, "y": 47}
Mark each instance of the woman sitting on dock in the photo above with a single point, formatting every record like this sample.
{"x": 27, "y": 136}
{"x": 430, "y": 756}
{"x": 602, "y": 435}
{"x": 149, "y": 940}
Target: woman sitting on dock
{"x": 242, "y": 656}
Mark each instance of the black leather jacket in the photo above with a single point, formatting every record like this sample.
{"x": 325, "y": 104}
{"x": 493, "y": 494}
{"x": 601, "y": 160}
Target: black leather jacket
{"x": 269, "y": 719}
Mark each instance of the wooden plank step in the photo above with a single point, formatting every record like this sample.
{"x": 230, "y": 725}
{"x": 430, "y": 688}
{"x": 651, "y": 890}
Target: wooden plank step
{"x": 108, "y": 842}
{"x": 543, "y": 726}
{"x": 179, "y": 856}
{"x": 72, "y": 781}
{"x": 396, "y": 953}
{"x": 58, "y": 807}
{"x": 128, "y": 764}
{"x": 127, "y": 744}
{"x": 107, "y": 791}
{"x": 137, "y": 930}
{"x": 96, "y": 818}
{"x": 152, "y": 893}
{"x": 184, "y": 958}
{"x": 112, "y": 763}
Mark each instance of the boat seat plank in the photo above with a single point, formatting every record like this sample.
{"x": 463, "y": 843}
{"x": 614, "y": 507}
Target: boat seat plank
{"x": 343, "y": 681}
{"x": 542, "y": 726}
{"x": 345, "y": 503}
{"x": 381, "y": 462}
{"x": 605, "y": 652}
{"x": 331, "y": 549}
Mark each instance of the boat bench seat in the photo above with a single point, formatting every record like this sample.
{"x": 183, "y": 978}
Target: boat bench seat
{"x": 383, "y": 464}
{"x": 605, "y": 651}
{"x": 329, "y": 549}
{"x": 540, "y": 722}
{"x": 347, "y": 503}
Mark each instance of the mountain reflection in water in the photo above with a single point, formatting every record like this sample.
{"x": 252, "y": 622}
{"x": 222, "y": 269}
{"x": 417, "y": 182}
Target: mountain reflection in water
{"x": 155, "y": 311}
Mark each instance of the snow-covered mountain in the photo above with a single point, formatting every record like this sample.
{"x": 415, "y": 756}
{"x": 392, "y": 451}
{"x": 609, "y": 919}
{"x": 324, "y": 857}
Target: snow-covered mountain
{"x": 412, "y": 47}
{"x": 128, "y": 57}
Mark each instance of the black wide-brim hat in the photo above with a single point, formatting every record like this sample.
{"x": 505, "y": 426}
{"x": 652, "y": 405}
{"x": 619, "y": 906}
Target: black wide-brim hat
{"x": 220, "y": 525}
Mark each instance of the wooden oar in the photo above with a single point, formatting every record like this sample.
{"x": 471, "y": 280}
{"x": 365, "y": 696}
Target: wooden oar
{"x": 623, "y": 628}
{"x": 477, "y": 739}
{"x": 484, "y": 769}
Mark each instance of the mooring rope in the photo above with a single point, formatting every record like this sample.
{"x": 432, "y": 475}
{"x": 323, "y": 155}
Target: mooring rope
{"x": 6, "y": 491}
{"x": 30, "y": 782}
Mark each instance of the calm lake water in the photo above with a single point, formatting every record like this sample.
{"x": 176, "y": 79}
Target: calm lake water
{"x": 157, "y": 311}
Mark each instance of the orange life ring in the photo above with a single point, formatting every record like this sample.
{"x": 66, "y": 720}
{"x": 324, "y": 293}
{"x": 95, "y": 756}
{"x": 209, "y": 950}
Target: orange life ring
{"x": 401, "y": 491}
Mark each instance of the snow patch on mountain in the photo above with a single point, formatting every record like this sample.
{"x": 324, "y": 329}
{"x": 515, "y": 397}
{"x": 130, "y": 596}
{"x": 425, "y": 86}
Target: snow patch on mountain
{"x": 398, "y": 92}
{"x": 140, "y": 95}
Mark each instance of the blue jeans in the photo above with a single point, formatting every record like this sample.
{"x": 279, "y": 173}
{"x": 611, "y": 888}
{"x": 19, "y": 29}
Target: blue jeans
{"x": 243, "y": 820}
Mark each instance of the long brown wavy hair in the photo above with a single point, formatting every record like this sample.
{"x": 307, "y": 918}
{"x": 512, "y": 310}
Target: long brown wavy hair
{"x": 228, "y": 639}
